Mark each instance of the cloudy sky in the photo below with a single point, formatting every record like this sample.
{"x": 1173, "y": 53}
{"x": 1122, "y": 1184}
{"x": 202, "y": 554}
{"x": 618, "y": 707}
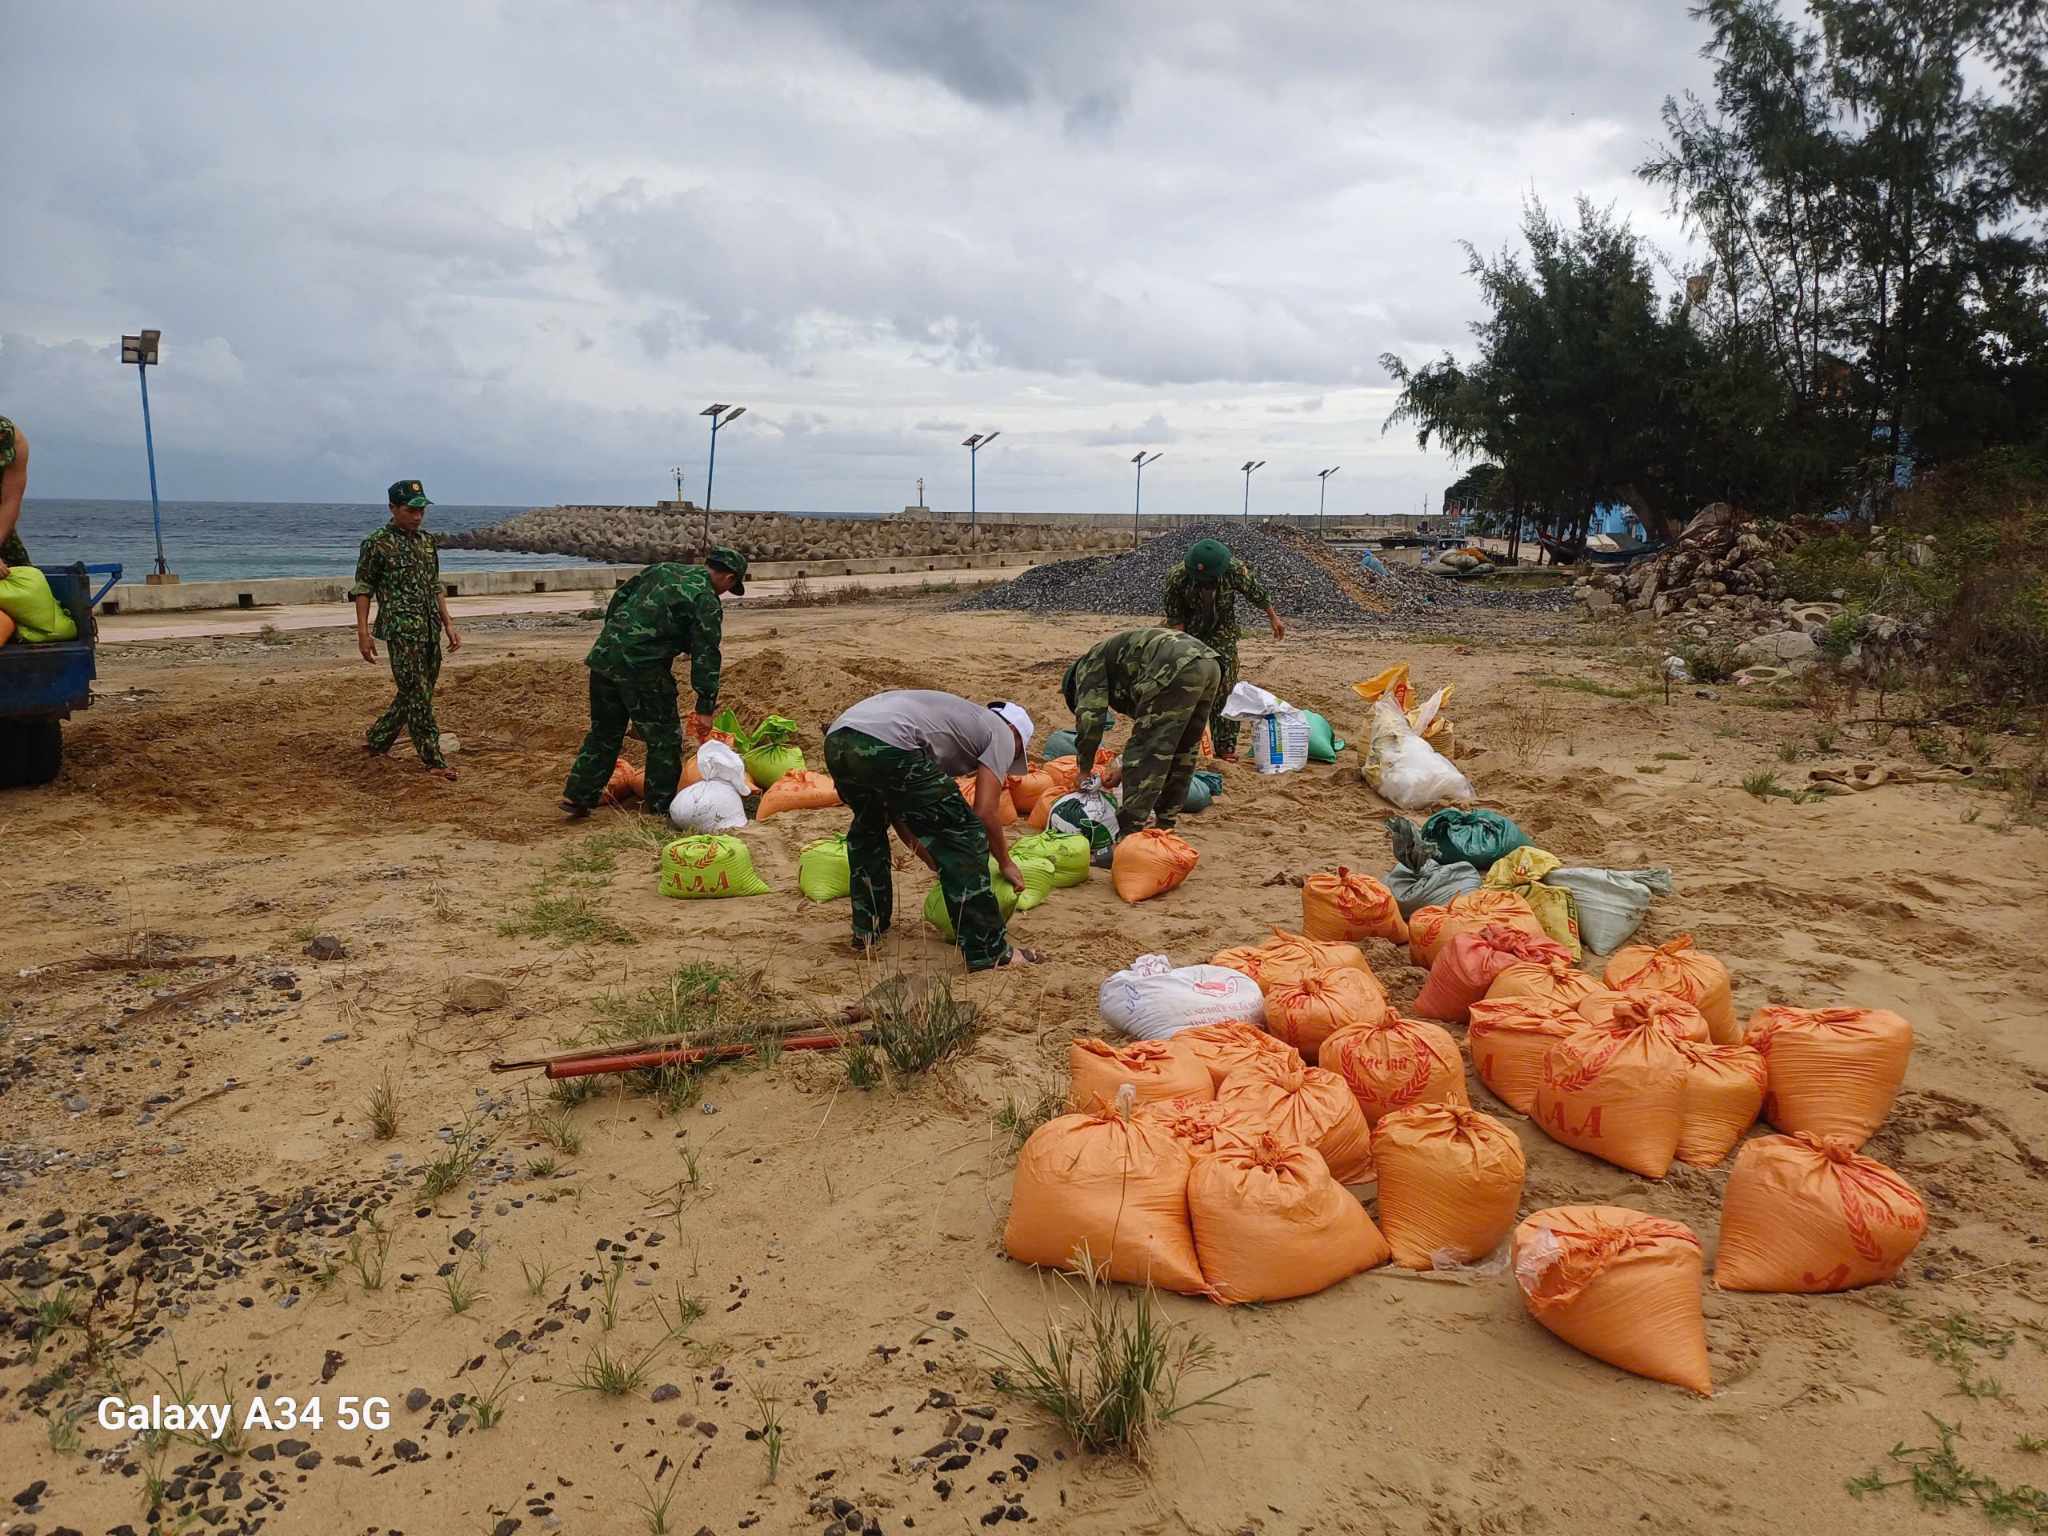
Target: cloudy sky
{"x": 514, "y": 248}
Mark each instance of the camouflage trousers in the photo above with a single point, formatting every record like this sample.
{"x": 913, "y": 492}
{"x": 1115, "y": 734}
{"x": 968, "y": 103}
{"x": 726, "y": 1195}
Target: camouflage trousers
{"x": 1166, "y": 738}
{"x": 13, "y": 551}
{"x": 886, "y": 787}
{"x": 416, "y": 670}
{"x": 1222, "y": 732}
{"x": 647, "y": 699}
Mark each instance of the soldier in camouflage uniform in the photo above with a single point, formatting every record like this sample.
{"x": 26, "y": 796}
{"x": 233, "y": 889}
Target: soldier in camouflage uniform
{"x": 400, "y": 567}
{"x": 13, "y": 485}
{"x": 666, "y": 611}
{"x": 1201, "y": 598}
{"x": 1168, "y": 683}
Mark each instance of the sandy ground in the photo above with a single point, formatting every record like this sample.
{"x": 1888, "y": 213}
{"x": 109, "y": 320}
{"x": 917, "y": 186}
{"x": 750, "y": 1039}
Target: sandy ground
{"x": 192, "y": 1137}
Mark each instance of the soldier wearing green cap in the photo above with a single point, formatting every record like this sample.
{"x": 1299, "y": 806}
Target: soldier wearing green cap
{"x": 400, "y": 567}
{"x": 668, "y": 610}
{"x": 1168, "y": 683}
{"x": 1201, "y": 598}
{"x": 13, "y": 486}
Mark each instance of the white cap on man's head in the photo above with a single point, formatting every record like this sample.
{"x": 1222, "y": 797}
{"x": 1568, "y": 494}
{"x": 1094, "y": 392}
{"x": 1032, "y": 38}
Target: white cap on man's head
{"x": 1014, "y": 713}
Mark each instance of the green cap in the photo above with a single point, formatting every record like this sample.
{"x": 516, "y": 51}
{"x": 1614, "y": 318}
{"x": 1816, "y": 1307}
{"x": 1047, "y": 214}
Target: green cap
{"x": 1208, "y": 558}
{"x": 726, "y": 559}
{"x": 407, "y": 493}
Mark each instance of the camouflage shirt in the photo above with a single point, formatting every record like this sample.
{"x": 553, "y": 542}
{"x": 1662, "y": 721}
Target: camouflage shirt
{"x": 1209, "y": 608}
{"x": 11, "y": 550}
{"x": 1123, "y": 673}
{"x": 402, "y": 571}
{"x": 666, "y": 610}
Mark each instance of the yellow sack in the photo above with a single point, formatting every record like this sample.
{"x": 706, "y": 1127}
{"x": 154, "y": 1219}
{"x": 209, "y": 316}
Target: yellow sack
{"x": 1555, "y": 907}
{"x": 1435, "y": 728}
{"x": 25, "y": 597}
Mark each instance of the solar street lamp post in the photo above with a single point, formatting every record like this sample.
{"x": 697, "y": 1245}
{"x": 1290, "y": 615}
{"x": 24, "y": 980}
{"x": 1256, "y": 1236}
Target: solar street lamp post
{"x": 1323, "y": 475}
{"x": 141, "y": 350}
{"x": 1141, "y": 460}
{"x": 1249, "y": 466}
{"x": 974, "y": 445}
{"x": 722, "y": 416}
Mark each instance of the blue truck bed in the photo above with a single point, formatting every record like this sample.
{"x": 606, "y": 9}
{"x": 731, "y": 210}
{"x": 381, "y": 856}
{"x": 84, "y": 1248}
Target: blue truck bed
{"x": 49, "y": 681}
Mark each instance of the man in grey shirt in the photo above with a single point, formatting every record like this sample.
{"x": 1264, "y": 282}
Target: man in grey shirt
{"x": 893, "y": 759}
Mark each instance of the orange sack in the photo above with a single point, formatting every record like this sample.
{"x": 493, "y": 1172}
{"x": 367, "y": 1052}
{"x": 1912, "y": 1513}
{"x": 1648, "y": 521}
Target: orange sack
{"x": 1508, "y": 1038}
{"x": 1348, "y": 906}
{"x": 1041, "y": 813}
{"x": 1308, "y": 1106}
{"x": 1429, "y": 928}
{"x": 1724, "y": 1090}
{"x": 1203, "y": 1125}
{"x": 1006, "y": 808}
{"x": 1307, "y": 1012}
{"x": 1617, "y": 1094}
{"x": 1225, "y": 1047}
{"x": 7, "y": 628}
{"x": 1621, "y": 1286}
{"x": 1546, "y": 981}
{"x": 1467, "y": 965}
{"x": 1807, "y": 1214}
{"x": 1027, "y": 789}
{"x": 1117, "y": 1187}
{"x": 1270, "y": 1222}
{"x": 804, "y": 789}
{"x": 1152, "y": 1067}
{"x": 1833, "y": 1071}
{"x": 1681, "y": 970}
{"x": 1150, "y": 863}
{"x": 1289, "y": 957}
{"x": 628, "y": 782}
{"x": 1450, "y": 1179}
{"x": 1674, "y": 1015}
{"x": 1395, "y": 1062}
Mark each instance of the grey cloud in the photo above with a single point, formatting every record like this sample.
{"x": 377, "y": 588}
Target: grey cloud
{"x": 1150, "y": 432}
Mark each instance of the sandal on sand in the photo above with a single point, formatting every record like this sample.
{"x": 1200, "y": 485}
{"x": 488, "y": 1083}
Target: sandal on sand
{"x": 443, "y": 772}
{"x": 1019, "y": 955}
{"x": 572, "y": 810}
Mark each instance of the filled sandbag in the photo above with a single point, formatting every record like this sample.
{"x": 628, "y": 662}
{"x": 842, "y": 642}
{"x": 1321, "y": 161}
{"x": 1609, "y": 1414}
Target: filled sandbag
{"x": 1554, "y": 982}
{"x": 1307, "y": 1012}
{"x": 1060, "y": 743}
{"x": 1833, "y": 1071}
{"x": 1305, "y": 1106}
{"x": 766, "y": 764}
{"x": 628, "y": 782}
{"x": 1040, "y": 880}
{"x": 1509, "y": 1037}
{"x": 1203, "y": 787}
{"x": 1323, "y": 745}
{"x": 1431, "y": 927}
{"x": 1203, "y": 1126}
{"x": 1433, "y": 884}
{"x": 1288, "y": 957}
{"x": 1674, "y": 1015}
{"x": 1271, "y": 1222}
{"x": 1619, "y": 1285}
{"x": 939, "y": 915}
{"x": 1393, "y": 1062}
{"x": 823, "y": 870}
{"x": 1683, "y": 971}
{"x": 1480, "y": 838}
{"x": 801, "y": 790}
{"x": 1522, "y": 872}
{"x": 1026, "y": 789}
{"x": 1724, "y": 1092}
{"x": 1616, "y": 1094}
{"x": 1450, "y": 1179}
{"x": 1155, "y": 1072}
{"x": 1067, "y": 855}
{"x": 1150, "y": 863}
{"x": 26, "y": 598}
{"x": 707, "y": 807}
{"x": 1114, "y": 1186}
{"x": 1348, "y": 907}
{"x": 709, "y": 866}
{"x": 1090, "y": 814}
{"x": 1153, "y": 999}
{"x": 1403, "y": 768}
{"x": 1807, "y": 1214}
{"x": 1006, "y": 808}
{"x": 1612, "y": 903}
{"x": 693, "y": 769}
{"x": 1468, "y": 964}
{"x": 1224, "y": 1048}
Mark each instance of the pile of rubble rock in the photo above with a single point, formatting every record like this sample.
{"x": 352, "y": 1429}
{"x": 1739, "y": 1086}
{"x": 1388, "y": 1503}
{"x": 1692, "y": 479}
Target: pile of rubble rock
{"x": 1720, "y": 564}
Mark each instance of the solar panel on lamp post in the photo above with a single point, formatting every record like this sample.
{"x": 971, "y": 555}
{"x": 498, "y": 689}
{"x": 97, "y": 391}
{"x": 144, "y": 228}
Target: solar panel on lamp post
{"x": 1249, "y": 466}
{"x": 1139, "y": 458}
{"x": 974, "y": 445}
{"x": 141, "y": 350}
{"x": 1323, "y": 475}
{"x": 722, "y": 416}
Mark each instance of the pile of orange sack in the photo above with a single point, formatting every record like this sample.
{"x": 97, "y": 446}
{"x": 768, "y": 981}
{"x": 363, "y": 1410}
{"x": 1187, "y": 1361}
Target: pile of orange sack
{"x": 1230, "y": 1159}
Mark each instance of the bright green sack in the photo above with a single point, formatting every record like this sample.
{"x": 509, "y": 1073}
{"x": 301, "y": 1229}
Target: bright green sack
{"x": 1323, "y": 745}
{"x": 1479, "y": 838}
{"x": 1039, "y": 880}
{"x": 767, "y": 764}
{"x": 1202, "y": 788}
{"x": 709, "y": 865}
{"x": 823, "y": 872}
{"x": 936, "y": 914}
{"x": 1068, "y": 856}
{"x": 26, "y": 598}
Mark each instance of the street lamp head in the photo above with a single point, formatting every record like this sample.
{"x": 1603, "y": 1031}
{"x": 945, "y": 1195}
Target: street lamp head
{"x": 989, "y": 438}
{"x": 712, "y": 410}
{"x": 1247, "y": 466}
{"x": 972, "y": 442}
{"x": 1156, "y": 455}
{"x": 1260, "y": 465}
{"x": 737, "y": 412}
{"x": 140, "y": 349}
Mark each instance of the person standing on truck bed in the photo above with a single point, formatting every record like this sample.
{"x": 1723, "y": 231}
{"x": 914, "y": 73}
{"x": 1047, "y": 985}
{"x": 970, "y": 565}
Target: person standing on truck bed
{"x": 400, "y": 567}
{"x": 13, "y": 486}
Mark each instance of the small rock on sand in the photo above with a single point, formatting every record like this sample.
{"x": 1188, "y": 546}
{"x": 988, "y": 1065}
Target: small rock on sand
{"x": 478, "y": 994}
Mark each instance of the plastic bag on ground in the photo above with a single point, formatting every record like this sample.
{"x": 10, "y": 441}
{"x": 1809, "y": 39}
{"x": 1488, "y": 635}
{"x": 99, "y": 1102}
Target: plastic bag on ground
{"x": 707, "y": 807}
{"x": 1678, "y": 968}
{"x": 1724, "y": 1091}
{"x": 1806, "y": 1214}
{"x": 823, "y": 871}
{"x": 1616, "y": 1094}
{"x": 1203, "y": 1126}
{"x": 1612, "y": 903}
{"x": 1425, "y": 716}
{"x": 1067, "y": 854}
{"x": 627, "y": 783}
{"x": 1832, "y": 1071}
{"x": 1553, "y": 981}
{"x": 1432, "y": 927}
{"x": 1224, "y": 1048}
{"x": 1150, "y": 863}
{"x": 1434, "y": 885}
{"x": 1508, "y": 1039}
{"x": 1288, "y": 957}
{"x": 1270, "y": 1222}
{"x": 1323, "y": 745}
{"x": 1116, "y": 1186}
{"x": 801, "y": 790}
{"x": 1090, "y": 814}
{"x": 1556, "y": 909}
{"x": 1307, "y": 1012}
{"x": 1635, "y": 1010}
{"x": 1621, "y": 1286}
{"x": 1467, "y": 965}
{"x": 1395, "y": 1062}
{"x": 1479, "y": 837}
{"x": 708, "y": 866}
{"x": 1304, "y": 1106}
{"x": 1346, "y": 906}
{"x": 1406, "y": 770}
{"x": 940, "y": 916}
{"x": 1150, "y": 1003}
{"x": 1450, "y": 1179}
{"x": 1151, "y": 1067}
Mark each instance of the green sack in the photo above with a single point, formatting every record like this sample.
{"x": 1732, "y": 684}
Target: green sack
{"x": 767, "y": 764}
{"x": 1039, "y": 880}
{"x": 1075, "y": 814}
{"x": 1059, "y": 744}
{"x": 822, "y": 870}
{"x": 1202, "y": 788}
{"x": 709, "y": 865}
{"x": 25, "y": 597}
{"x": 936, "y": 914}
{"x": 1067, "y": 854}
{"x": 1323, "y": 745}
{"x": 1479, "y": 838}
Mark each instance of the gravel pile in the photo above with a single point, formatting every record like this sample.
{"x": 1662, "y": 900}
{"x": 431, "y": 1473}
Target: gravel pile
{"x": 1309, "y": 582}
